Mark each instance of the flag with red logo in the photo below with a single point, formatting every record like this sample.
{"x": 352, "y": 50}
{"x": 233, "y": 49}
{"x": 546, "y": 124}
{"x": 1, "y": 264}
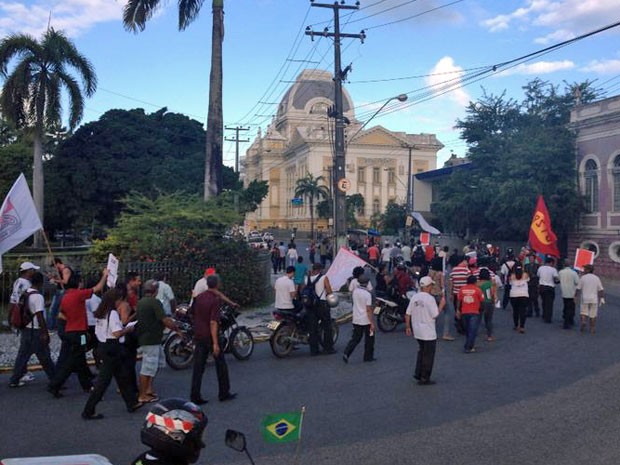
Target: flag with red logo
{"x": 18, "y": 217}
{"x": 542, "y": 237}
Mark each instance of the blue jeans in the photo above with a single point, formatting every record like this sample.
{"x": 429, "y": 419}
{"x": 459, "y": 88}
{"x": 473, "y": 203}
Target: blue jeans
{"x": 54, "y": 309}
{"x": 30, "y": 343}
{"x": 471, "y": 322}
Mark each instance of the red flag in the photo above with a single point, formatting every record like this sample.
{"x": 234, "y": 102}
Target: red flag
{"x": 542, "y": 237}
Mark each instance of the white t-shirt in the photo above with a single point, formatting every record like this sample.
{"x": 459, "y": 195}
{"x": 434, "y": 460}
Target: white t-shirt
{"x": 36, "y": 304}
{"x": 200, "y": 287}
{"x": 91, "y": 307}
{"x": 354, "y": 284}
{"x": 165, "y": 295}
{"x": 292, "y": 254}
{"x": 547, "y": 274}
{"x": 589, "y": 285}
{"x": 385, "y": 254}
{"x": 19, "y": 287}
{"x": 320, "y": 287}
{"x": 568, "y": 282}
{"x": 406, "y": 251}
{"x": 283, "y": 287}
{"x": 361, "y": 300}
{"x": 518, "y": 287}
{"x": 423, "y": 311}
{"x": 105, "y": 327}
{"x": 507, "y": 268}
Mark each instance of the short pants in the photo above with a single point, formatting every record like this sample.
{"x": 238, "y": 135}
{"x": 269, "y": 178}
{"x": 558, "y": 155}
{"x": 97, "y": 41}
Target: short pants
{"x": 152, "y": 359}
{"x": 589, "y": 310}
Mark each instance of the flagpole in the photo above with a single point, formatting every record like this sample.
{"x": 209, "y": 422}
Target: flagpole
{"x": 301, "y": 422}
{"x": 47, "y": 244}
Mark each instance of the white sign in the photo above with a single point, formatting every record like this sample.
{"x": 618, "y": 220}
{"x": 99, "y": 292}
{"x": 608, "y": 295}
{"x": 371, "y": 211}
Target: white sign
{"x": 112, "y": 270}
{"x": 341, "y": 268}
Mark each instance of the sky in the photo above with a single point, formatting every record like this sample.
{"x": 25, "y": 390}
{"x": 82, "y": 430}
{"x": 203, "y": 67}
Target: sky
{"x": 430, "y": 49}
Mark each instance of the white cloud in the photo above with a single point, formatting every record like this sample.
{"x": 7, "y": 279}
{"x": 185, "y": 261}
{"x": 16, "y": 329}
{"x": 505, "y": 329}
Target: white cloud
{"x": 538, "y": 68}
{"x": 602, "y": 67}
{"x": 72, "y": 16}
{"x": 446, "y": 76}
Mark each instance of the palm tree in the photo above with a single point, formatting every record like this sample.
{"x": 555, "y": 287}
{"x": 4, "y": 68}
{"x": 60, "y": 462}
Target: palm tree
{"x": 135, "y": 16}
{"x": 32, "y": 91}
{"x": 309, "y": 187}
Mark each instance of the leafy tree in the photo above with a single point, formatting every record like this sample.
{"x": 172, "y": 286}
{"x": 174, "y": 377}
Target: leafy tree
{"x": 135, "y": 16}
{"x": 310, "y": 188}
{"x": 32, "y": 93}
{"x": 355, "y": 205}
{"x": 15, "y": 158}
{"x": 518, "y": 150}
{"x": 394, "y": 218}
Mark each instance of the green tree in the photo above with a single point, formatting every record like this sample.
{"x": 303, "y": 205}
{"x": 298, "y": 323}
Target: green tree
{"x": 310, "y": 188}
{"x": 32, "y": 92}
{"x": 15, "y": 156}
{"x": 135, "y": 16}
{"x": 355, "y": 205}
{"x": 393, "y": 219}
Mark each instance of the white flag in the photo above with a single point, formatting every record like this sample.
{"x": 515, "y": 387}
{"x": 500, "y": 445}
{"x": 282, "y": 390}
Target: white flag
{"x": 341, "y": 268}
{"x": 18, "y": 217}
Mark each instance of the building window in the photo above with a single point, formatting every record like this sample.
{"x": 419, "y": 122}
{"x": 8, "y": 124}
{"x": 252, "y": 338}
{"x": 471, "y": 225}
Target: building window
{"x": 391, "y": 176}
{"x": 376, "y": 175}
{"x": 361, "y": 174}
{"x": 615, "y": 172}
{"x": 376, "y": 207}
{"x": 591, "y": 182}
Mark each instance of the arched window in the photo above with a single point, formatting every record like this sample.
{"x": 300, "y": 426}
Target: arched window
{"x": 591, "y": 183}
{"x": 376, "y": 206}
{"x": 615, "y": 173}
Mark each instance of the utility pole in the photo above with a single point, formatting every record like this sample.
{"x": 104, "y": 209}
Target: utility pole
{"x": 236, "y": 140}
{"x": 339, "y": 183}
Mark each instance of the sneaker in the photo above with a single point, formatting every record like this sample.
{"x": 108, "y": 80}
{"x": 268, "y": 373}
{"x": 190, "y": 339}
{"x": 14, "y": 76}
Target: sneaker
{"x": 345, "y": 358}
{"x": 20, "y": 383}
{"x": 490, "y": 339}
{"x": 28, "y": 377}
{"x": 448, "y": 338}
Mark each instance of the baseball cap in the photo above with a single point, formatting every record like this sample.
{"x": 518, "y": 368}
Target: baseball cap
{"x": 209, "y": 271}
{"x": 426, "y": 281}
{"x": 28, "y": 266}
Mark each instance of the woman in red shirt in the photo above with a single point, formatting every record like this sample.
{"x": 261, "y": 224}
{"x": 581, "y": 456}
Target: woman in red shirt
{"x": 470, "y": 300}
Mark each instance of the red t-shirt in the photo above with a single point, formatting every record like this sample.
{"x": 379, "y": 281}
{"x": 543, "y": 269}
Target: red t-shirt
{"x": 470, "y": 297}
{"x": 73, "y": 306}
{"x": 373, "y": 253}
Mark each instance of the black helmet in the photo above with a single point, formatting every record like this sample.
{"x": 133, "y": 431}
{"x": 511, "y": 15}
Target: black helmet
{"x": 173, "y": 428}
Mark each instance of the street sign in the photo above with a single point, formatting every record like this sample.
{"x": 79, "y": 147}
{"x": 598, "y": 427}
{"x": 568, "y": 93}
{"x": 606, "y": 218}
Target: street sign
{"x": 297, "y": 201}
{"x": 344, "y": 184}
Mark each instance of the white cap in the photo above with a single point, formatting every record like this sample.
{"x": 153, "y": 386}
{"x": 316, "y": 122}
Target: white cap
{"x": 28, "y": 266}
{"x": 426, "y": 281}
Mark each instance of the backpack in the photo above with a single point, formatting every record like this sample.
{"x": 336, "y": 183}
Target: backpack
{"x": 19, "y": 313}
{"x": 419, "y": 254}
{"x": 309, "y": 297}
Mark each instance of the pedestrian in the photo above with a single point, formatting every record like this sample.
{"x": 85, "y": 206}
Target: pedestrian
{"x": 91, "y": 306}
{"x": 205, "y": 314}
{"x": 151, "y": 323}
{"x": 382, "y": 280}
{"x": 531, "y": 265}
{"x": 34, "y": 338}
{"x": 312, "y": 251}
{"x": 110, "y": 333}
{"x": 292, "y": 255}
{"x": 275, "y": 258}
{"x": 323, "y": 252}
{"x": 470, "y": 303}
{"x": 420, "y": 323}
{"x": 285, "y": 290}
{"x": 505, "y": 272}
{"x": 548, "y": 278}
{"x": 438, "y": 290}
{"x": 418, "y": 257}
{"x": 385, "y": 256}
{"x": 301, "y": 271}
{"x": 569, "y": 280}
{"x": 320, "y": 314}
{"x": 202, "y": 286}
{"x": 373, "y": 255}
{"x": 592, "y": 295}
{"x": 458, "y": 279}
{"x": 363, "y": 321}
{"x": 73, "y": 310}
{"x": 63, "y": 273}
{"x": 354, "y": 283}
{"x": 486, "y": 283}
{"x": 406, "y": 251}
{"x": 519, "y": 296}
{"x": 282, "y": 261}
{"x": 165, "y": 294}
{"x": 23, "y": 282}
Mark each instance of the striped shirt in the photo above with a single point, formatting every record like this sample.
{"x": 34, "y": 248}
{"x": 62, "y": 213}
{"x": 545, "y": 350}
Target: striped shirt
{"x": 458, "y": 278}
{"x": 477, "y": 273}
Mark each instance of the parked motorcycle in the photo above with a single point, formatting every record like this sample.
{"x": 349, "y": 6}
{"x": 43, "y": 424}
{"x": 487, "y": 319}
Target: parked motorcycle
{"x": 391, "y": 313}
{"x": 290, "y": 330}
{"x": 235, "y": 339}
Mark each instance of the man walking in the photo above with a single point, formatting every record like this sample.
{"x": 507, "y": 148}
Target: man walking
{"x": 320, "y": 313}
{"x": 420, "y": 323}
{"x": 569, "y": 279}
{"x": 363, "y": 321}
{"x": 206, "y": 317}
{"x": 592, "y": 295}
{"x": 548, "y": 278}
{"x": 458, "y": 279}
{"x": 470, "y": 302}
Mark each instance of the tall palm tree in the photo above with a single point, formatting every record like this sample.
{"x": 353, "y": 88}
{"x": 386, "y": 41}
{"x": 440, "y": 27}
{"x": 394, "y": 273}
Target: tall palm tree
{"x": 135, "y": 16}
{"x": 309, "y": 187}
{"x": 32, "y": 91}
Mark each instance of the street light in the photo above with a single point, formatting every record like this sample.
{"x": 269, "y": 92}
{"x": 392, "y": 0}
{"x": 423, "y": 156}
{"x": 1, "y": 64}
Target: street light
{"x": 400, "y": 98}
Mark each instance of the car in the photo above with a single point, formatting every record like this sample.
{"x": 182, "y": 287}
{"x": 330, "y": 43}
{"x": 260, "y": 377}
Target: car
{"x": 258, "y": 243}
{"x": 254, "y": 234}
{"x": 268, "y": 237}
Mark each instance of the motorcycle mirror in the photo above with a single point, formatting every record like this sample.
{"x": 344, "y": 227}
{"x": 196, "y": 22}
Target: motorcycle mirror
{"x": 235, "y": 440}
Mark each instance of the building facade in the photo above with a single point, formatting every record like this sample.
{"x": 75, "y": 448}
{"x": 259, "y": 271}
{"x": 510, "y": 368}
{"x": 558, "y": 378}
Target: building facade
{"x": 300, "y": 140}
{"x": 597, "y": 126}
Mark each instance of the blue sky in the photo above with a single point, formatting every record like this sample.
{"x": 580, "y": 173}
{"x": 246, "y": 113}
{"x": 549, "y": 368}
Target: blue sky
{"x": 164, "y": 67}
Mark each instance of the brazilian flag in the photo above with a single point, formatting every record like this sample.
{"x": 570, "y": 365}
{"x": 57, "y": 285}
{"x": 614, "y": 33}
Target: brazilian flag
{"x": 282, "y": 427}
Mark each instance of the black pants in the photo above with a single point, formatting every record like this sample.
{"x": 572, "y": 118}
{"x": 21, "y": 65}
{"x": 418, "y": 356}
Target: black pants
{"x": 203, "y": 348}
{"x": 131, "y": 357}
{"x": 547, "y": 294}
{"x": 319, "y": 321}
{"x": 112, "y": 355}
{"x": 532, "y": 304}
{"x": 75, "y": 361}
{"x": 506, "y": 296}
{"x": 356, "y": 337}
{"x": 569, "y": 313}
{"x": 519, "y": 310}
{"x": 425, "y": 360}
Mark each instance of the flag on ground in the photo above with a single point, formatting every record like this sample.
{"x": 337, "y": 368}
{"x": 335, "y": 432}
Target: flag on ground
{"x": 542, "y": 238}
{"x": 18, "y": 216}
{"x": 282, "y": 427}
{"x": 342, "y": 268}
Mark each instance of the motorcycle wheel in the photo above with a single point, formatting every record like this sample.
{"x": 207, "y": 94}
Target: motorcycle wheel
{"x": 385, "y": 321}
{"x": 280, "y": 341}
{"x": 335, "y": 332}
{"x": 179, "y": 353}
{"x": 241, "y": 343}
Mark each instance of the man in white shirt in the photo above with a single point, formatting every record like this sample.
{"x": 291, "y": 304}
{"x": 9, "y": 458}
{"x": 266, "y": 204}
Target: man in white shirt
{"x": 592, "y": 295}
{"x": 569, "y": 279}
{"x": 406, "y": 251}
{"x": 321, "y": 314}
{"x": 385, "y": 255}
{"x": 34, "y": 338}
{"x": 165, "y": 294}
{"x": 548, "y": 278}
{"x": 202, "y": 286}
{"x": 420, "y": 323}
{"x": 26, "y": 271}
{"x": 285, "y": 290}
{"x": 363, "y": 321}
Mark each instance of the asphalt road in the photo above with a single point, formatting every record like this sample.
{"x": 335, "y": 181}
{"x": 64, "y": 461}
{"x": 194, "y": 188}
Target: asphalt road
{"x": 548, "y": 396}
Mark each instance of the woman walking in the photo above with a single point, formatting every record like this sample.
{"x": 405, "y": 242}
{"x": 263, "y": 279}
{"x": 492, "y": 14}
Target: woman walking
{"x": 110, "y": 333}
{"x": 487, "y": 286}
{"x": 519, "y": 296}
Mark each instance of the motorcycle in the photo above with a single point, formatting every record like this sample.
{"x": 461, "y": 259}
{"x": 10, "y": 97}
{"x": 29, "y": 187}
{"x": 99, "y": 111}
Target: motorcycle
{"x": 289, "y": 331}
{"x": 391, "y": 313}
{"x": 235, "y": 339}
